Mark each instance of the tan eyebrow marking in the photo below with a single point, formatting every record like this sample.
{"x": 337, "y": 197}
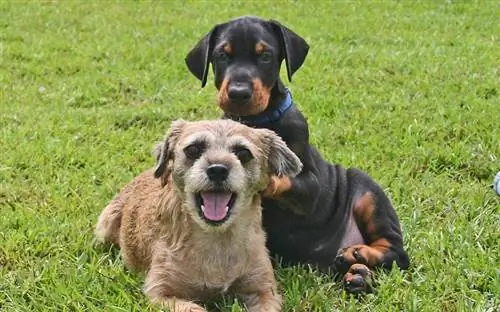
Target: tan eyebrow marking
{"x": 259, "y": 48}
{"x": 228, "y": 49}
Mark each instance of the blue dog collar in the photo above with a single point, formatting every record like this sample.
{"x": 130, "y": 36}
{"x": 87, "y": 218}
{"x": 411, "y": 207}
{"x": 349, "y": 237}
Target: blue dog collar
{"x": 271, "y": 116}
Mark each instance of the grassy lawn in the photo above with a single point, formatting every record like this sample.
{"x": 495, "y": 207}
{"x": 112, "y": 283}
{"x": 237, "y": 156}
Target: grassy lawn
{"x": 407, "y": 91}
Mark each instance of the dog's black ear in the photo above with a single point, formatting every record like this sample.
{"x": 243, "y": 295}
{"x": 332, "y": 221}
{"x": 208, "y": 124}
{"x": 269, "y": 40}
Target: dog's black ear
{"x": 294, "y": 48}
{"x": 198, "y": 59}
{"x": 281, "y": 160}
{"x": 164, "y": 152}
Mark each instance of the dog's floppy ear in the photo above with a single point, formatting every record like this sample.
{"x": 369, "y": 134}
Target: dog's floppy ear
{"x": 198, "y": 59}
{"x": 295, "y": 48}
{"x": 164, "y": 152}
{"x": 281, "y": 160}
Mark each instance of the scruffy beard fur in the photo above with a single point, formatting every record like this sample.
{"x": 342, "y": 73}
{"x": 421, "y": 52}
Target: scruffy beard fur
{"x": 195, "y": 181}
{"x": 156, "y": 222}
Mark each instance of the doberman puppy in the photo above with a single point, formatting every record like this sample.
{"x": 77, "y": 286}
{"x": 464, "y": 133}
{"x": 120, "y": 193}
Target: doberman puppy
{"x": 338, "y": 220}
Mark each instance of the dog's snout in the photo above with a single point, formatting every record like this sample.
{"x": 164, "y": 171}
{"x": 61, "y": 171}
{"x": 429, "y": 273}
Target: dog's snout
{"x": 217, "y": 172}
{"x": 239, "y": 92}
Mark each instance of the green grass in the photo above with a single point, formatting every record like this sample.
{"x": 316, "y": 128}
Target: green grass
{"x": 407, "y": 91}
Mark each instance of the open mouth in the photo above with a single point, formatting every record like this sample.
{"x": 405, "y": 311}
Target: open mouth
{"x": 215, "y": 206}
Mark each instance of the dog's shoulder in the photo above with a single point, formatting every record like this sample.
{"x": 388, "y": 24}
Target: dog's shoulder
{"x": 142, "y": 185}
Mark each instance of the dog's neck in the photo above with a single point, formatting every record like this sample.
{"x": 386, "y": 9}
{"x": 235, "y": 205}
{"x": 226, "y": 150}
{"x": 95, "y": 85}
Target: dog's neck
{"x": 280, "y": 101}
{"x": 278, "y": 95}
{"x": 235, "y": 241}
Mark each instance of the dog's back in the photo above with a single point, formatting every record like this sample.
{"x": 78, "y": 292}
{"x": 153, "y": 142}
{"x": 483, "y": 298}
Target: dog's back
{"x": 128, "y": 220}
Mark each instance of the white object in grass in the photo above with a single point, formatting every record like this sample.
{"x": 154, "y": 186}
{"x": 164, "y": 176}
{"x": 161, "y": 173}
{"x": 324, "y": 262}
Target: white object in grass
{"x": 496, "y": 183}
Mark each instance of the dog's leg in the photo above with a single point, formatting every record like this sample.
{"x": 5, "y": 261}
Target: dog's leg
{"x": 178, "y": 305}
{"x": 379, "y": 225}
{"x": 163, "y": 282}
{"x": 360, "y": 259}
{"x": 267, "y": 301}
{"x": 157, "y": 289}
{"x": 258, "y": 287}
{"x": 298, "y": 194}
{"x": 107, "y": 229}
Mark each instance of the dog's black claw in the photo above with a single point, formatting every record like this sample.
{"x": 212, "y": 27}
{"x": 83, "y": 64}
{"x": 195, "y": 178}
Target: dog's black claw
{"x": 339, "y": 259}
{"x": 341, "y": 265}
{"x": 357, "y": 256}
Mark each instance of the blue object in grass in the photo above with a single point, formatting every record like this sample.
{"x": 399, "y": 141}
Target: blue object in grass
{"x": 496, "y": 183}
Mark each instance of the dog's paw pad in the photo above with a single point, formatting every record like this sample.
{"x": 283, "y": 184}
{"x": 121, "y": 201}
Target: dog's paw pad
{"x": 358, "y": 279}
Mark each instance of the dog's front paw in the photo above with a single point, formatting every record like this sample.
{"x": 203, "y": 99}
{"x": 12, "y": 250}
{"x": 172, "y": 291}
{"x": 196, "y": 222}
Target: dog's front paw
{"x": 349, "y": 256}
{"x": 359, "y": 279}
{"x": 197, "y": 308}
{"x": 271, "y": 187}
{"x": 276, "y": 186}
{"x": 172, "y": 304}
{"x": 184, "y": 306}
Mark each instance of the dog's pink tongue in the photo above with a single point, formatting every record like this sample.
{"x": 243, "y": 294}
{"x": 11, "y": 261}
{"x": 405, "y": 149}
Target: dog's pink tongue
{"x": 215, "y": 205}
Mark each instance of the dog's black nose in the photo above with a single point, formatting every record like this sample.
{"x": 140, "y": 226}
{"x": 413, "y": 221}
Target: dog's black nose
{"x": 217, "y": 172}
{"x": 239, "y": 92}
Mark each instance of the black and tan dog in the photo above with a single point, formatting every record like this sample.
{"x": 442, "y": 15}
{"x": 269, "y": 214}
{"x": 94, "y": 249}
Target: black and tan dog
{"x": 334, "y": 218}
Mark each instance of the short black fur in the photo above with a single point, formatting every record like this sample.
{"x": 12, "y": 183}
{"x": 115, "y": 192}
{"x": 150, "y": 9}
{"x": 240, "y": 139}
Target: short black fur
{"x": 308, "y": 222}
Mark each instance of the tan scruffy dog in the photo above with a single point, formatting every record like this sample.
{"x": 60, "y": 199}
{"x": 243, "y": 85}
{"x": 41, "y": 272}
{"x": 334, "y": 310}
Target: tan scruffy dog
{"x": 196, "y": 231}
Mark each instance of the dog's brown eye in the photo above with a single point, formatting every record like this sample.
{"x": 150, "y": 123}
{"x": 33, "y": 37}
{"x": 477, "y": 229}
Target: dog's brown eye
{"x": 244, "y": 155}
{"x": 265, "y": 57}
{"x": 193, "y": 151}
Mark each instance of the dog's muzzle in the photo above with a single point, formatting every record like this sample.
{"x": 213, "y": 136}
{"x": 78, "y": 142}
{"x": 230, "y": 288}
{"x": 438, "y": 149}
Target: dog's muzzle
{"x": 215, "y": 204}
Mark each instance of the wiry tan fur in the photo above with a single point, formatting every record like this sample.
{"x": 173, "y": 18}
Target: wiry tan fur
{"x": 160, "y": 232}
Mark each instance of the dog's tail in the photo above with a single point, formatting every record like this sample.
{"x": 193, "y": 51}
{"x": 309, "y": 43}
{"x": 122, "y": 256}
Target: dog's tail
{"x": 108, "y": 225}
